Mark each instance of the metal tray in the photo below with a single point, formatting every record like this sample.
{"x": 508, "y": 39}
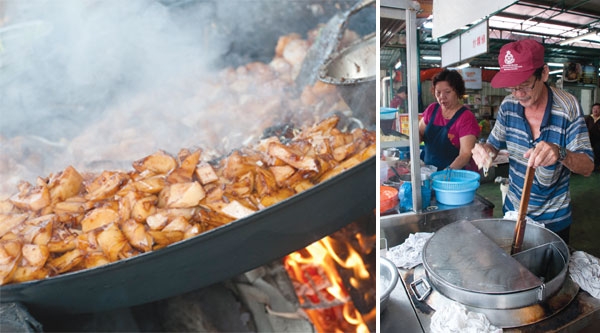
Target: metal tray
{"x": 210, "y": 257}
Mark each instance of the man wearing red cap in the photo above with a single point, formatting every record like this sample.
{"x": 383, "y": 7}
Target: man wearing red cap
{"x": 542, "y": 127}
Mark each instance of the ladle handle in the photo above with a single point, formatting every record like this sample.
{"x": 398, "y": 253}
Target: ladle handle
{"x": 359, "y": 5}
{"x": 522, "y": 215}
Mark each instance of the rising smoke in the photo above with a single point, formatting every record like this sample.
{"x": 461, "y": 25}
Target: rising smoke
{"x": 77, "y": 75}
{"x": 69, "y": 60}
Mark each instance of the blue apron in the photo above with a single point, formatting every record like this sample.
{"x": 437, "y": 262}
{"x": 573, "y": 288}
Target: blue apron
{"x": 439, "y": 151}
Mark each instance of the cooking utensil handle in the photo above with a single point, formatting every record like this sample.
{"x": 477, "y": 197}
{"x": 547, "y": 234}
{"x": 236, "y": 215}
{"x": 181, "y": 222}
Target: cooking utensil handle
{"x": 522, "y": 215}
{"x": 360, "y": 5}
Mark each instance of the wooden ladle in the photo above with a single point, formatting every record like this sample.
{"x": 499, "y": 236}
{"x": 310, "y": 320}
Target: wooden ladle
{"x": 522, "y": 215}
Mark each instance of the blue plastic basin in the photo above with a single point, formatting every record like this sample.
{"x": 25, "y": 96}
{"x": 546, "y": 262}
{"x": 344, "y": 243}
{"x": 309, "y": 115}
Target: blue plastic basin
{"x": 455, "y": 197}
{"x": 387, "y": 113}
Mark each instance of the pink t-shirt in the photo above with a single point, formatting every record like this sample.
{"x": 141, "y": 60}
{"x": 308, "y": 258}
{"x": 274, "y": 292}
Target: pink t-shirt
{"x": 466, "y": 124}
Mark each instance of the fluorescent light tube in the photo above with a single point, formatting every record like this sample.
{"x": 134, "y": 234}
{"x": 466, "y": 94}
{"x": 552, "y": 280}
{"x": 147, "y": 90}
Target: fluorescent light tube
{"x": 578, "y": 38}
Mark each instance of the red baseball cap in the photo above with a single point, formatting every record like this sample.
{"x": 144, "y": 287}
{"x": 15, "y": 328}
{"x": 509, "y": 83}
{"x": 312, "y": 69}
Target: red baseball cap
{"x": 518, "y": 60}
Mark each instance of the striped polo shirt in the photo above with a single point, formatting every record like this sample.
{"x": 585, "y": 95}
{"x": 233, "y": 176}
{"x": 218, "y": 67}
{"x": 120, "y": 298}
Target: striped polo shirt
{"x": 563, "y": 124}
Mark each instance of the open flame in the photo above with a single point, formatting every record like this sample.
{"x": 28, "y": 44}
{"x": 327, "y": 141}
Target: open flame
{"x": 315, "y": 273}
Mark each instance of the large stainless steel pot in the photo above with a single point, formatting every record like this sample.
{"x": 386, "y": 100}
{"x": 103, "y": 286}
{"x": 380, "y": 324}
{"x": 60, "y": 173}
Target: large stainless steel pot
{"x": 469, "y": 262}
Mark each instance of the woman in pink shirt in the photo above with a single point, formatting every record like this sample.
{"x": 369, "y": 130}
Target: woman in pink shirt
{"x": 452, "y": 134}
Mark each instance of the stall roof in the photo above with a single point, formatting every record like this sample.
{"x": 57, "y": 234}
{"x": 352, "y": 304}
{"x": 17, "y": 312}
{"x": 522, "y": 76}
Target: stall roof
{"x": 551, "y": 22}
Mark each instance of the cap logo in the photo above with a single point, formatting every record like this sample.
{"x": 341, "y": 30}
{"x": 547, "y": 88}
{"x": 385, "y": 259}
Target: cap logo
{"x": 509, "y": 58}
{"x": 509, "y": 63}
{"x": 518, "y": 61}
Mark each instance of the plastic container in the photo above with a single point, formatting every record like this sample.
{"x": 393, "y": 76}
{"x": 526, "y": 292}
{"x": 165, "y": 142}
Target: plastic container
{"x": 455, "y": 187}
{"x": 405, "y": 123}
{"x": 387, "y": 117}
{"x": 387, "y": 113}
{"x": 426, "y": 196}
{"x": 388, "y": 198}
{"x": 405, "y": 196}
{"x": 454, "y": 180}
{"x": 404, "y": 153}
{"x": 455, "y": 198}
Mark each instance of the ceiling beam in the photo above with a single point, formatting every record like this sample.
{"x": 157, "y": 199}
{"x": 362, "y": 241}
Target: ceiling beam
{"x": 584, "y": 7}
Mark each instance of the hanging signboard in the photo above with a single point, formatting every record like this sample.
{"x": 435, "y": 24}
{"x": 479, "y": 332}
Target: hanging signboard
{"x": 472, "y": 77}
{"x": 449, "y": 16}
{"x": 474, "y": 41}
{"x": 467, "y": 45}
{"x": 451, "y": 52}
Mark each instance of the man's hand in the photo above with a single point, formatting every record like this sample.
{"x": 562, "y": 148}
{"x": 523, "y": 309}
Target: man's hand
{"x": 543, "y": 154}
{"x": 483, "y": 155}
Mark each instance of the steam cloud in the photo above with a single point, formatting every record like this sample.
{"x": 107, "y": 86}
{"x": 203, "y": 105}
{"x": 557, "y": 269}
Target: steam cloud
{"x": 68, "y": 65}
{"x": 69, "y": 60}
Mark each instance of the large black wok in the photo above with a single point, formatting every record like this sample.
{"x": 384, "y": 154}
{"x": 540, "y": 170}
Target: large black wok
{"x": 232, "y": 249}
{"x": 211, "y": 257}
